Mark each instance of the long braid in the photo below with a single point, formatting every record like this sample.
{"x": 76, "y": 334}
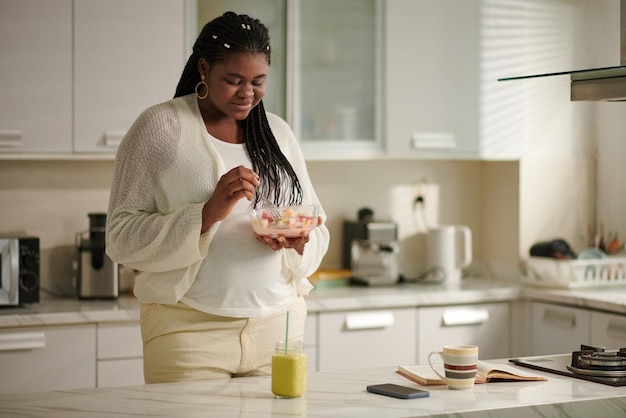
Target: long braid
{"x": 227, "y": 34}
{"x": 269, "y": 161}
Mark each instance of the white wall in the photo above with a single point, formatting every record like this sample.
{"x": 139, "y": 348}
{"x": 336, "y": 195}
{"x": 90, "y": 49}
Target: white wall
{"x": 610, "y": 122}
{"x": 558, "y": 165}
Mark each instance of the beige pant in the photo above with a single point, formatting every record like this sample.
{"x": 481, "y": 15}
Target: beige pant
{"x": 181, "y": 343}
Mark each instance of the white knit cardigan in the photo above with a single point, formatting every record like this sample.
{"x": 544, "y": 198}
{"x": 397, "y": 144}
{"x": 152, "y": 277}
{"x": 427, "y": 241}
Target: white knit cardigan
{"x": 165, "y": 170}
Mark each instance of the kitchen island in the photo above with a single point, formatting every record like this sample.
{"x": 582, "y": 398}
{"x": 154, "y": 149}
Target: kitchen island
{"x": 336, "y": 394}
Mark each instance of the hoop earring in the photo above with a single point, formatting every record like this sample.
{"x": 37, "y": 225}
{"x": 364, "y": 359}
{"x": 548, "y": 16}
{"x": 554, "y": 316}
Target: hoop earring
{"x": 199, "y": 86}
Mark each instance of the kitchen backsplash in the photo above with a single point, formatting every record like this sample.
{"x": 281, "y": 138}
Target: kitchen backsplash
{"x": 51, "y": 199}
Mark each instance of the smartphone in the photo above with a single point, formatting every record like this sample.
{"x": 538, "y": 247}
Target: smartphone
{"x": 397, "y": 391}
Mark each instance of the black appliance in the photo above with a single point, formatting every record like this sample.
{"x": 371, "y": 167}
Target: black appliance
{"x": 594, "y": 364}
{"x": 19, "y": 270}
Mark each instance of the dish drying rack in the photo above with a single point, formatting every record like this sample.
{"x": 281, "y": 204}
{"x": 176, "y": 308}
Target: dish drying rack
{"x": 568, "y": 274}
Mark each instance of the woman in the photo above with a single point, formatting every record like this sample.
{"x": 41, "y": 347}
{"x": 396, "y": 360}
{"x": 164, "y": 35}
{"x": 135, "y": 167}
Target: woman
{"x": 213, "y": 295}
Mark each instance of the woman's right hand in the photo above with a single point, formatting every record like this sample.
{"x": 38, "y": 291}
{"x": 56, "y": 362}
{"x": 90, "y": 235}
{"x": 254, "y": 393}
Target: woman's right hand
{"x": 240, "y": 182}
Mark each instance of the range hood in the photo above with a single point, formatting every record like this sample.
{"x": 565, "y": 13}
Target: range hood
{"x": 596, "y": 84}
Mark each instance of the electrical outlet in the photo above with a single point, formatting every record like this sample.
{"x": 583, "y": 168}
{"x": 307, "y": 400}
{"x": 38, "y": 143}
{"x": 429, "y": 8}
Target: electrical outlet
{"x": 414, "y": 208}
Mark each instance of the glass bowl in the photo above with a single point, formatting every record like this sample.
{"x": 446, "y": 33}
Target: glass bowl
{"x": 289, "y": 221}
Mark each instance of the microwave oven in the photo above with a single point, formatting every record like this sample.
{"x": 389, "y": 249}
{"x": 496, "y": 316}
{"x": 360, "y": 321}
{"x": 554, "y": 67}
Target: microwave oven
{"x": 19, "y": 270}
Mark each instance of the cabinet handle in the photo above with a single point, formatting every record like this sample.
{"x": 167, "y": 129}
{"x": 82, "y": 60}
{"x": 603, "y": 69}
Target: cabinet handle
{"x": 618, "y": 329}
{"x": 369, "y": 320}
{"x": 11, "y": 138}
{"x": 22, "y": 341}
{"x": 559, "y": 318}
{"x": 457, "y": 317}
{"x": 112, "y": 138}
{"x": 433, "y": 140}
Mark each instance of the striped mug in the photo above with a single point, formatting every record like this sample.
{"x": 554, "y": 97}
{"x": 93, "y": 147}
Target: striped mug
{"x": 459, "y": 363}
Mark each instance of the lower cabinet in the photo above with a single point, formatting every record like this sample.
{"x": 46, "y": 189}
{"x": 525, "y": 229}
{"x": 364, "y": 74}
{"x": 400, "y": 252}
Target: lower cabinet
{"x": 119, "y": 355}
{"x": 608, "y": 330}
{"x": 47, "y": 358}
{"x": 371, "y": 338}
{"x": 310, "y": 342}
{"x": 486, "y": 325}
{"x": 558, "y": 329}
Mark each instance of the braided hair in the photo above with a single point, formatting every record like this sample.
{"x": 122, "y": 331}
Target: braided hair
{"x": 225, "y": 35}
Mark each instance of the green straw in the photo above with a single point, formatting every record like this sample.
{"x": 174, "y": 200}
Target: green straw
{"x": 287, "y": 333}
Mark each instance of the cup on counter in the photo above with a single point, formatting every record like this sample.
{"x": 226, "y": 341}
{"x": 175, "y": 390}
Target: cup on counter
{"x": 289, "y": 369}
{"x": 459, "y": 363}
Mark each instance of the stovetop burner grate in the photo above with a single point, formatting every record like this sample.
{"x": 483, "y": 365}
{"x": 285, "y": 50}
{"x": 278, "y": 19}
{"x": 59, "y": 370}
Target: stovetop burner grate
{"x": 597, "y": 360}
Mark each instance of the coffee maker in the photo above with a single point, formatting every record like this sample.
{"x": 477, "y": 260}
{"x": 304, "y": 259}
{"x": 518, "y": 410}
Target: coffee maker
{"x": 370, "y": 249}
{"x": 97, "y": 273}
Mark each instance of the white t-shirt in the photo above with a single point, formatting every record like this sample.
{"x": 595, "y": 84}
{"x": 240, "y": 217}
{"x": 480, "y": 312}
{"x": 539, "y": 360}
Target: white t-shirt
{"x": 223, "y": 285}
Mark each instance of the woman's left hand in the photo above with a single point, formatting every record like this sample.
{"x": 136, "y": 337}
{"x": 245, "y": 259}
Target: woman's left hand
{"x": 280, "y": 242}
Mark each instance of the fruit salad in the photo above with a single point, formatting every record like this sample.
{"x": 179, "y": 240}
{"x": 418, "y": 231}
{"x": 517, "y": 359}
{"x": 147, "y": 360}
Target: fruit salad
{"x": 291, "y": 222}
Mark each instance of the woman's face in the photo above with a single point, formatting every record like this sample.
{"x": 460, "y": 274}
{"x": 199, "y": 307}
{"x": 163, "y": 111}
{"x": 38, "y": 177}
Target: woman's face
{"x": 237, "y": 84}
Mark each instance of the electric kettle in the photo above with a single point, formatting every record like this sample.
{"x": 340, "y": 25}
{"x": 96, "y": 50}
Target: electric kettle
{"x": 449, "y": 250}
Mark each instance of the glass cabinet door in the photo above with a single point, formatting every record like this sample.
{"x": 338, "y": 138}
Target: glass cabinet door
{"x": 337, "y": 76}
{"x": 273, "y": 14}
{"x": 326, "y": 72}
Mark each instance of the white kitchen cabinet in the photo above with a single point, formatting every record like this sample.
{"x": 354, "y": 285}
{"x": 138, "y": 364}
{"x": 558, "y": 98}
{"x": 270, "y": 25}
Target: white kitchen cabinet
{"x": 327, "y": 64}
{"x": 273, "y": 15}
{"x": 370, "y": 338}
{"x": 36, "y": 76}
{"x": 310, "y": 341}
{"x": 558, "y": 329}
{"x": 486, "y": 325}
{"x": 120, "y": 354}
{"x": 47, "y": 358}
{"x": 432, "y": 67}
{"x": 128, "y": 55}
{"x": 338, "y": 76}
{"x": 76, "y": 74}
{"x": 442, "y": 62}
{"x": 608, "y": 330}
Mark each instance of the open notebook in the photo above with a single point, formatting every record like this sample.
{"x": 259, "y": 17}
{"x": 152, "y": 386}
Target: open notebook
{"x": 487, "y": 372}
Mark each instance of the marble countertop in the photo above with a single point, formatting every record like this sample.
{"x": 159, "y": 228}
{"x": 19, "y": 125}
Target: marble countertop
{"x": 610, "y": 298}
{"x": 58, "y": 311}
{"x": 337, "y": 394}
{"x": 409, "y": 294}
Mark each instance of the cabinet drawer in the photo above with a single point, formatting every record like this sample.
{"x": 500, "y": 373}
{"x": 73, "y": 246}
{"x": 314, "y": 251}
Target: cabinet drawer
{"x": 47, "y": 358}
{"x": 125, "y": 372}
{"x": 558, "y": 329}
{"x": 373, "y": 338}
{"x": 608, "y": 330}
{"x": 486, "y": 325}
{"x": 119, "y": 341}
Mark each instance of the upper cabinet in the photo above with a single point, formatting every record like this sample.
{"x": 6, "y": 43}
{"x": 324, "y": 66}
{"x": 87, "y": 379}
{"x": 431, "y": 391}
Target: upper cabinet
{"x": 273, "y": 14}
{"x": 354, "y": 78}
{"x": 326, "y": 77}
{"x": 443, "y": 59}
{"x": 36, "y": 81}
{"x": 80, "y": 72}
{"x": 337, "y": 76}
{"x": 432, "y": 68}
{"x": 396, "y": 78}
{"x": 128, "y": 55}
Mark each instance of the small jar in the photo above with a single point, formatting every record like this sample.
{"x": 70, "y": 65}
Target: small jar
{"x": 289, "y": 370}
